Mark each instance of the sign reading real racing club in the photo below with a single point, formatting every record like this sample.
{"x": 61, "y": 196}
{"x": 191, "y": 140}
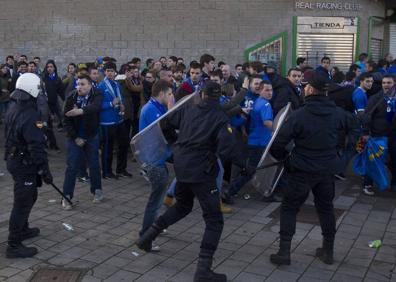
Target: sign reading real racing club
{"x": 346, "y": 6}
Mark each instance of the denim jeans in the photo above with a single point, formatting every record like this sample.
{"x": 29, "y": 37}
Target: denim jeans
{"x": 172, "y": 188}
{"x": 158, "y": 176}
{"x": 75, "y": 156}
{"x": 219, "y": 181}
{"x": 254, "y": 156}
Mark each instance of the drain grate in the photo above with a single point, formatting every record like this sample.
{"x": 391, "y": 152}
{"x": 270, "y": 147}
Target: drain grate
{"x": 307, "y": 214}
{"x": 58, "y": 275}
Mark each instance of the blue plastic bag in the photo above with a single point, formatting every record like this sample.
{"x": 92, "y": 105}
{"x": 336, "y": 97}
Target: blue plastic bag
{"x": 371, "y": 161}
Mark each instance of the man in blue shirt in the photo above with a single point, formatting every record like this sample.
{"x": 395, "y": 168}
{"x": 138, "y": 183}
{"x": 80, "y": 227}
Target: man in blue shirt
{"x": 359, "y": 96}
{"x": 157, "y": 172}
{"x": 112, "y": 125}
{"x": 253, "y": 93}
{"x": 260, "y": 131}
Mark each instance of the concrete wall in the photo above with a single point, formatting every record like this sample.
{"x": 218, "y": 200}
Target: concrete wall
{"x": 79, "y": 30}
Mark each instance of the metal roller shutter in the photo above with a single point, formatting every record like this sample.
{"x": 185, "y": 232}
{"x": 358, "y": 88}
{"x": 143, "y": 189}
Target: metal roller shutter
{"x": 376, "y": 49}
{"x": 339, "y": 47}
{"x": 392, "y": 38}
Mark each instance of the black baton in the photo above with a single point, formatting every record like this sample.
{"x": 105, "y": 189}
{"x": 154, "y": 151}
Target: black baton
{"x": 61, "y": 193}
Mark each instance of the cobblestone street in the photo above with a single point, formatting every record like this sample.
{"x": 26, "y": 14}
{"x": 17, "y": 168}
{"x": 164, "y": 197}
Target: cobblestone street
{"x": 101, "y": 243}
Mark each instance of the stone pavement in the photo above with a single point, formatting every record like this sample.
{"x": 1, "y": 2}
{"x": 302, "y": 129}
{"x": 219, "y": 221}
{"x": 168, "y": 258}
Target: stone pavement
{"x": 102, "y": 241}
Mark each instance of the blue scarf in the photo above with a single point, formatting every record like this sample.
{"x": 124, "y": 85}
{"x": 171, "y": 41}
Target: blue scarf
{"x": 82, "y": 101}
{"x": 112, "y": 86}
{"x": 52, "y": 76}
{"x": 390, "y": 106}
{"x": 197, "y": 86}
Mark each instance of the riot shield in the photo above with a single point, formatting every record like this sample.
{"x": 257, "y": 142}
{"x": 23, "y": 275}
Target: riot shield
{"x": 149, "y": 146}
{"x": 266, "y": 180}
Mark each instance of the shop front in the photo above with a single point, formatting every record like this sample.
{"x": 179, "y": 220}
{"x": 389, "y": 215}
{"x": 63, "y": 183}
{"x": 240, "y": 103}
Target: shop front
{"x": 340, "y": 30}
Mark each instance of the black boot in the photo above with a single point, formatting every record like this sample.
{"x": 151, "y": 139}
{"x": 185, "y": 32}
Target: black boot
{"x": 325, "y": 253}
{"x": 145, "y": 241}
{"x": 20, "y": 251}
{"x": 283, "y": 255}
{"x": 30, "y": 233}
{"x": 226, "y": 198}
{"x": 204, "y": 273}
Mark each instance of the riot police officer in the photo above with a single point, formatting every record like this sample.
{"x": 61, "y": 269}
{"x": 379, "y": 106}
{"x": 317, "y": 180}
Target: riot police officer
{"x": 312, "y": 164}
{"x": 204, "y": 135}
{"x": 26, "y": 161}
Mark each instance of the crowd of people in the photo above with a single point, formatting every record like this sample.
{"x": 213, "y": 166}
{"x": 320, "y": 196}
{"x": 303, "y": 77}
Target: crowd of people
{"x": 114, "y": 99}
{"x": 101, "y": 107}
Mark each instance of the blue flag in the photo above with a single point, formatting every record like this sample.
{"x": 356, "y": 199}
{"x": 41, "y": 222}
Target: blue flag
{"x": 371, "y": 161}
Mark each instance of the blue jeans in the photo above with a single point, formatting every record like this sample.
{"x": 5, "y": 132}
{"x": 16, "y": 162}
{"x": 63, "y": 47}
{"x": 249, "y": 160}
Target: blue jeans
{"x": 254, "y": 156}
{"x": 158, "y": 176}
{"x": 75, "y": 156}
{"x": 219, "y": 181}
{"x": 172, "y": 188}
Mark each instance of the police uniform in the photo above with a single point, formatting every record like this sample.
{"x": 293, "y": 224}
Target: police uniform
{"x": 204, "y": 135}
{"x": 311, "y": 166}
{"x": 26, "y": 159}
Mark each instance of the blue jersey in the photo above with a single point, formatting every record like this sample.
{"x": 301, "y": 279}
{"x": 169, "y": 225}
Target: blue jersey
{"x": 260, "y": 135}
{"x": 359, "y": 99}
{"x": 249, "y": 100}
{"x": 149, "y": 113}
{"x": 236, "y": 120}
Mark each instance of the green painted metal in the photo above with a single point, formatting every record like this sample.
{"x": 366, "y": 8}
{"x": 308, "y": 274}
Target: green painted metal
{"x": 294, "y": 44}
{"x": 283, "y": 36}
{"x": 357, "y": 47}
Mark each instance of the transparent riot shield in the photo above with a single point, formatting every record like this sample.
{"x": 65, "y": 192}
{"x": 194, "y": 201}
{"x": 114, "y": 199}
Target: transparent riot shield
{"x": 150, "y": 146}
{"x": 265, "y": 180}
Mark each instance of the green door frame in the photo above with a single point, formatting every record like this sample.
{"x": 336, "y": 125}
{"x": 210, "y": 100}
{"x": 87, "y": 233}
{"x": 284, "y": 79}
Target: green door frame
{"x": 284, "y": 37}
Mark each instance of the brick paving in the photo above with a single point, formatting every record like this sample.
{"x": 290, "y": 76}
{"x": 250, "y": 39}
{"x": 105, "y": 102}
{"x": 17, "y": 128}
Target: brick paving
{"x": 102, "y": 241}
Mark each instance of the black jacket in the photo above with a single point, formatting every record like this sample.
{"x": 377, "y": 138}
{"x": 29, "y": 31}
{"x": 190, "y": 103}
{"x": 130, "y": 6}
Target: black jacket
{"x": 377, "y": 84}
{"x": 53, "y": 88}
{"x": 12, "y": 84}
{"x": 342, "y": 96}
{"x": 314, "y": 129}
{"x": 204, "y": 135}
{"x": 375, "y": 121}
{"x": 147, "y": 86}
{"x": 25, "y": 142}
{"x": 90, "y": 118}
{"x": 285, "y": 92}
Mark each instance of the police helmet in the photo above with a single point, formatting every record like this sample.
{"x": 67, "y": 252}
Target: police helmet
{"x": 30, "y": 83}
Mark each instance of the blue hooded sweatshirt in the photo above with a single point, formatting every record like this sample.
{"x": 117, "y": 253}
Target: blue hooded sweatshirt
{"x": 110, "y": 115}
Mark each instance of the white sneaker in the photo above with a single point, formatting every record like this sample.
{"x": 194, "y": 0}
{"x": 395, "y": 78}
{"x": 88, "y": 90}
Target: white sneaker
{"x": 66, "y": 205}
{"x": 368, "y": 190}
{"x": 98, "y": 197}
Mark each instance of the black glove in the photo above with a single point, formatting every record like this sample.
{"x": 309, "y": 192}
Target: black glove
{"x": 46, "y": 175}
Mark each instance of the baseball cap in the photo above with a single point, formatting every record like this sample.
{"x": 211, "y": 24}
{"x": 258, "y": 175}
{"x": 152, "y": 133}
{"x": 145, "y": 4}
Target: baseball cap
{"x": 317, "y": 81}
